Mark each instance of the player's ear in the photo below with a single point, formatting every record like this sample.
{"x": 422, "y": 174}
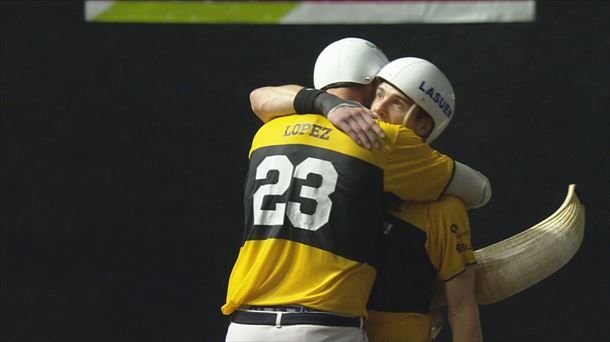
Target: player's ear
{"x": 423, "y": 124}
{"x": 427, "y": 124}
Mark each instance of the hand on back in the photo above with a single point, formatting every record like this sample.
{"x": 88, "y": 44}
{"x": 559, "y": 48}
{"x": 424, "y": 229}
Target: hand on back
{"x": 358, "y": 122}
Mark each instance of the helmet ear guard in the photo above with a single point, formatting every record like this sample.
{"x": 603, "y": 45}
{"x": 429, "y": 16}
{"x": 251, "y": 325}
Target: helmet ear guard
{"x": 348, "y": 60}
{"x": 426, "y": 85}
{"x": 417, "y": 110}
{"x": 414, "y": 108}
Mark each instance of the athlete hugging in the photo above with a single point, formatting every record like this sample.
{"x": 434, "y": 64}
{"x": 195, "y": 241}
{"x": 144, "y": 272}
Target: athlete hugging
{"x": 315, "y": 263}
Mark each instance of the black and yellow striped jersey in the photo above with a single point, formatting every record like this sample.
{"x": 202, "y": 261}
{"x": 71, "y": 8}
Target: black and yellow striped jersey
{"x": 314, "y": 207}
{"x": 422, "y": 241}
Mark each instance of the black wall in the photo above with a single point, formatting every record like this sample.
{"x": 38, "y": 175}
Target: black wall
{"x": 124, "y": 148}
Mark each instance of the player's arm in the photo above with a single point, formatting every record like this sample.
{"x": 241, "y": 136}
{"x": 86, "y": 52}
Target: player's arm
{"x": 462, "y": 307}
{"x": 350, "y": 117}
{"x": 449, "y": 249}
{"x": 271, "y": 102}
{"x": 470, "y": 185}
{"x": 414, "y": 171}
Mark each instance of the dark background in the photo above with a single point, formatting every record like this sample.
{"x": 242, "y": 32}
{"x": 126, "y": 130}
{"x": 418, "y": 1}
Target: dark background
{"x": 124, "y": 148}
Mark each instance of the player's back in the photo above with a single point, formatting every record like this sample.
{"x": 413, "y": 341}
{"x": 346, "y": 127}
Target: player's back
{"x": 313, "y": 204}
{"x": 312, "y": 201}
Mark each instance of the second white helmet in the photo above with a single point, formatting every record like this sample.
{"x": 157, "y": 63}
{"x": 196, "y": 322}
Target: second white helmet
{"x": 352, "y": 60}
{"x": 426, "y": 85}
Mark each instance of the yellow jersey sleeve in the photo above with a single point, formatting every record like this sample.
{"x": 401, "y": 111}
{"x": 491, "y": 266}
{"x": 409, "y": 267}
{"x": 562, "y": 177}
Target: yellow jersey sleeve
{"x": 413, "y": 170}
{"x": 449, "y": 243}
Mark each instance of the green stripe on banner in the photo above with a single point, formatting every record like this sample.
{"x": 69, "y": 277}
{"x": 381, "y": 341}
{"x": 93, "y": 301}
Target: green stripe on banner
{"x": 260, "y": 12}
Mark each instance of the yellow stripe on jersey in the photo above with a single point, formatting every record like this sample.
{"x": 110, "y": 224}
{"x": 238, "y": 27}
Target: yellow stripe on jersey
{"x": 299, "y": 129}
{"x": 301, "y": 275}
{"x": 413, "y": 170}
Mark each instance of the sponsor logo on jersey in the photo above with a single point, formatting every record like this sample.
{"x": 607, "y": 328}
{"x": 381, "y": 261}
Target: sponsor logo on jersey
{"x": 463, "y": 247}
{"x": 454, "y": 229}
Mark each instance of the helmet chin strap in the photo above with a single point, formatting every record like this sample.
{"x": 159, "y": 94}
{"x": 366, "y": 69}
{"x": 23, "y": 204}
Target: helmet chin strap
{"x": 408, "y": 115}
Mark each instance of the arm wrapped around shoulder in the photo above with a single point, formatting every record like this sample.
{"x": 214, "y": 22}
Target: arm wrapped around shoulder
{"x": 470, "y": 185}
{"x": 314, "y": 101}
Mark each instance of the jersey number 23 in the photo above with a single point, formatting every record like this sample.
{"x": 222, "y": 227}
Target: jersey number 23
{"x": 286, "y": 183}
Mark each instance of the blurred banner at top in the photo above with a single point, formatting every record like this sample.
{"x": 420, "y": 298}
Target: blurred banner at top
{"x": 310, "y": 12}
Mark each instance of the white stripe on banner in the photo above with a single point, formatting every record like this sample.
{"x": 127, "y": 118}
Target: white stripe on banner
{"x": 392, "y": 12}
{"x": 95, "y": 8}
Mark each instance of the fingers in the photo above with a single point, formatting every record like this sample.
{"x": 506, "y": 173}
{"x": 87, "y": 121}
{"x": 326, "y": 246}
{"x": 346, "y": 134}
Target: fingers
{"x": 370, "y": 127}
{"x": 355, "y": 127}
{"x": 359, "y": 124}
{"x": 361, "y": 134}
{"x": 352, "y": 134}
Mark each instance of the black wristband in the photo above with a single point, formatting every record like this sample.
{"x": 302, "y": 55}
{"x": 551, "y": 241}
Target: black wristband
{"x": 325, "y": 102}
{"x": 304, "y": 101}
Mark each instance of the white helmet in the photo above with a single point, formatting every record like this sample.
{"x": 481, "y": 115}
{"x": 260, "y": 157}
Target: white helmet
{"x": 353, "y": 60}
{"x": 425, "y": 84}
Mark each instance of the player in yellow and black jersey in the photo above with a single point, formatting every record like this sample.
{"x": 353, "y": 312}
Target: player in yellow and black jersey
{"x": 421, "y": 242}
{"x": 314, "y": 207}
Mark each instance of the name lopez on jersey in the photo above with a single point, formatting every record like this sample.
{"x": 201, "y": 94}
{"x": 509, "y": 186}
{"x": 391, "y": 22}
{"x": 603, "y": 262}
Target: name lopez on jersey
{"x": 437, "y": 98}
{"x": 314, "y": 130}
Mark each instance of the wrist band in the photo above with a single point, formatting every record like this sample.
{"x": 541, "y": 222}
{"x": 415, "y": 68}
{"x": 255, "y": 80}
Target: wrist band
{"x": 304, "y": 101}
{"x": 326, "y": 102}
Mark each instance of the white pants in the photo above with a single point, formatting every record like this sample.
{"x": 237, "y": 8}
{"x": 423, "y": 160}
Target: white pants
{"x": 294, "y": 333}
